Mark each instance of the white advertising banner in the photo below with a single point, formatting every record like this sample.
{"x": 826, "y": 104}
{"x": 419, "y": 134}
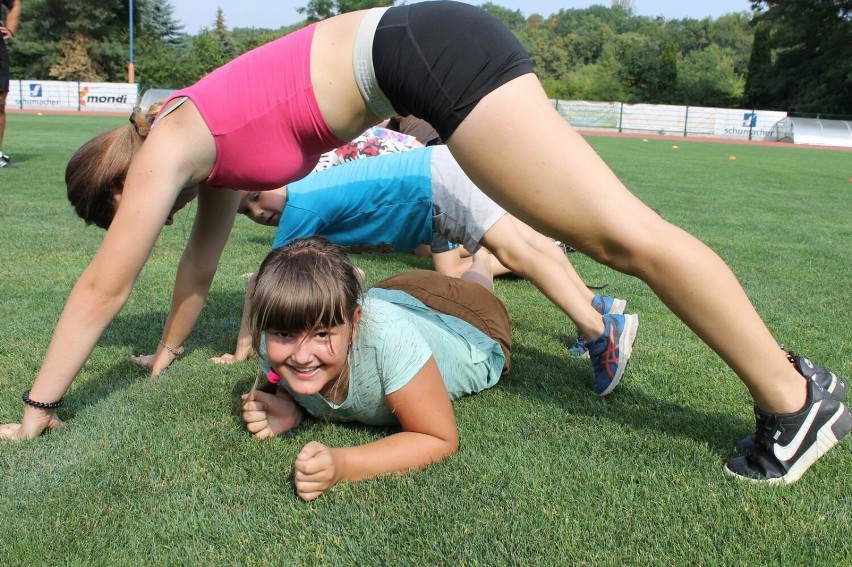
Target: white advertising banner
{"x": 748, "y": 124}
{"x": 583, "y": 114}
{"x": 656, "y": 118}
{"x": 74, "y": 96}
{"x": 107, "y": 96}
{"x": 42, "y": 95}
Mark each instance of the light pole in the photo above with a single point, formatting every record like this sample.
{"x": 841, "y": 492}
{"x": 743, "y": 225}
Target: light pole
{"x": 131, "y": 76}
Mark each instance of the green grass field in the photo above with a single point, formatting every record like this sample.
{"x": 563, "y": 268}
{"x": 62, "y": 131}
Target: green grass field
{"x": 161, "y": 472}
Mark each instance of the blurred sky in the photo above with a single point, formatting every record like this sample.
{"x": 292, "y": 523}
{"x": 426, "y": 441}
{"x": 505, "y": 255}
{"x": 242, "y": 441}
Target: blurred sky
{"x": 196, "y": 14}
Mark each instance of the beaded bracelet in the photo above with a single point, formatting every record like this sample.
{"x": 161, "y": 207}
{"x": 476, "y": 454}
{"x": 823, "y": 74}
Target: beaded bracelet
{"x": 41, "y": 405}
{"x": 177, "y": 353}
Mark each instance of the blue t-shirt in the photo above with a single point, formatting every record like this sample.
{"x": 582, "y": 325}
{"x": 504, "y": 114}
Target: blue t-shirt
{"x": 382, "y": 204}
{"x": 396, "y": 336}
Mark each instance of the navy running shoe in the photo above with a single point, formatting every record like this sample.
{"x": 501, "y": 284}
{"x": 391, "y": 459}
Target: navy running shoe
{"x": 610, "y": 352}
{"x": 786, "y": 445}
{"x": 605, "y": 305}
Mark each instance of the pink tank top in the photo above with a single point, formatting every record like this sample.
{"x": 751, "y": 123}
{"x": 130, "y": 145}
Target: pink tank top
{"x": 263, "y": 115}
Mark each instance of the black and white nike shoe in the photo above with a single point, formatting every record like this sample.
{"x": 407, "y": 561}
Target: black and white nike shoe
{"x": 786, "y": 445}
{"x": 833, "y": 384}
{"x": 6, "y": 162}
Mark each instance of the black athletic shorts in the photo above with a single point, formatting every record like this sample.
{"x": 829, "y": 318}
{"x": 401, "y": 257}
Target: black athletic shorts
{"x": 436, "y": 60}
{"x": 5, "y": 74}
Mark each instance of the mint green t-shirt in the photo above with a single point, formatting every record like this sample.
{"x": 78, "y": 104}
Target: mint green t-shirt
{"x": 396, "y": 337}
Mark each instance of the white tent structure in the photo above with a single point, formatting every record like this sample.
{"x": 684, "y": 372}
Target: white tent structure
{"x": 814, "y": 131}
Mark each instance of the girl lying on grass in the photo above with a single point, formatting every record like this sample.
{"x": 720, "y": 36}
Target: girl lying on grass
{"x": 396, "y": 355}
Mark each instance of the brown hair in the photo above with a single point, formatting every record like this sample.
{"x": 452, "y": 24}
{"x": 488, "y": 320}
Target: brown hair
{"x": 95, "y": 173}
{"x": 310, "y": 283}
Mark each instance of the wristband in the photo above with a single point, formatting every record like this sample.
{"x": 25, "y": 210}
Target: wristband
{"x": 41, "y": 405}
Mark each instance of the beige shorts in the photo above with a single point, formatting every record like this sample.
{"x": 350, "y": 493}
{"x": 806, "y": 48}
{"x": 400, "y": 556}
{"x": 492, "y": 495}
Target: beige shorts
{"x": 460, "y": 298}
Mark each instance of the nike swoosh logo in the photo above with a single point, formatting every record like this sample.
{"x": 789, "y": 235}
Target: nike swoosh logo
{"x": 787, "y": 452}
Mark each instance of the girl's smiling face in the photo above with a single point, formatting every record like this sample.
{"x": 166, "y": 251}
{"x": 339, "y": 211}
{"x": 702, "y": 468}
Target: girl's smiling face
{"x": 312, "y": 361}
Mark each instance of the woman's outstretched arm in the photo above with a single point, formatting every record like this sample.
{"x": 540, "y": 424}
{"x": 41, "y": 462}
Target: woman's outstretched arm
{"x": 429, "y": 434}
{"x": 178, "y": 153}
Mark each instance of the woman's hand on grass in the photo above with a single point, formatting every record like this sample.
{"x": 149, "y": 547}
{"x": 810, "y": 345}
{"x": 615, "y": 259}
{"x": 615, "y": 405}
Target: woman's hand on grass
{"x": 268, "y": 415}
{"x": 226, "y": 358}
{"x": 143, "y": 359}
{"x": 157, "y": 362}
{"x": 317, "y": 470}
{"x": 244, "y": 349}
{"x": 33, "y": 424}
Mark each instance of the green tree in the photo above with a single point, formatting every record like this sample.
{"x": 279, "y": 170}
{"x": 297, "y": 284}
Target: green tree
{"x": 162, "y": 65}
{"x": 643, "y": 68}
{"x": 317, "y": 10}
{"x": 100, "y": 26}
{"x": 512, "y": 19}
{"x": 735, "y": 32}
{"x": 667, "y": 82}
{"x": 709, "y": 78}
{"x": 757, "y": 91}
{"x": 689, "y": 35}
{"x": 588, "y": 21}
{"x": 158, "y": 21}
{"x": 75, "y": 64}
{"x": 626, "y": 5}
{"x": 221, "y": 34}
{"x": 246, "y": 39}
{"x": 549, "y": 53}
{"x": 811, "y": 70}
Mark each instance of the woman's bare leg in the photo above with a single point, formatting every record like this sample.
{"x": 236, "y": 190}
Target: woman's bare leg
{"x": 523, "y": 154}
{"x": 552, "y": 250}
{"x": 512, "y": 249}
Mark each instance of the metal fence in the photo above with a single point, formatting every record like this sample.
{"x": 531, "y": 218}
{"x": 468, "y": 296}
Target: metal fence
{"x": 671, "y": 120}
